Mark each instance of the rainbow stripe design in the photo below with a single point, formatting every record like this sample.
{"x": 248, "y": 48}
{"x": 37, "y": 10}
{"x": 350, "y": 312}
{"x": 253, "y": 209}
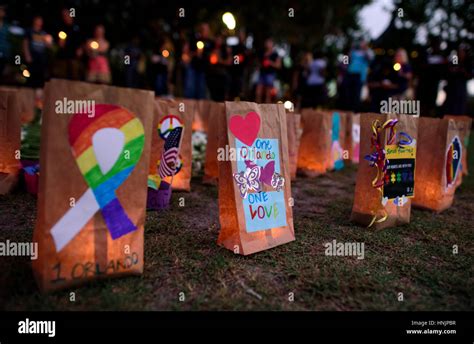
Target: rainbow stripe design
{"x": 81, "y": 131}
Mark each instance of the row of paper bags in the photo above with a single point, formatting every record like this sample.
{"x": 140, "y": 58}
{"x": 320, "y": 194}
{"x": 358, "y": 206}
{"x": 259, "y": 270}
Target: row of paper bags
{"x": 102, "y": 162}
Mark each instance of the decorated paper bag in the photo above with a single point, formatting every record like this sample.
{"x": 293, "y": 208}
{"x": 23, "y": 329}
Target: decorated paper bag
{"x": 438, "y": 163}
{"x": 10, "y": 137}
{"x": 254, "y": 178}
{"x": 464, "y": 127}
{"x": 315, "y": 144}
{"x": 211, "y": 172}
{"x": 386, "y": 174}
{"x": 293, "y": 124}
{"x": 355, "y": 138}
{"x": 321, "y": 146}
{"x": 165, "y": 160}
{"x": 177, "y": 113}
{"x": 95, "y": 152}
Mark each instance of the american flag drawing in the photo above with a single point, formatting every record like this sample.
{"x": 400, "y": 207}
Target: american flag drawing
{"x": 169, "y": 157}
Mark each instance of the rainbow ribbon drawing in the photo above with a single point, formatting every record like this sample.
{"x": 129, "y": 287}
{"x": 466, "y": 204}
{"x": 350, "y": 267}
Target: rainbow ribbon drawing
{"x": 107, "y": 148}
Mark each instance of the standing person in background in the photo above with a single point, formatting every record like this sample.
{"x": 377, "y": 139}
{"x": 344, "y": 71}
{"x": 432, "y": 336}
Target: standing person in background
{"x": 35, "y": 50}
{"x": 237, "y": 70}
{"x": 356, "y": 75}
{"x": 458, "y": 75}
{"x": 300, "y": 76}
{"x": 134, "y": 54}
{"x": 403, "y": 73}
{"x": 218, "y": 78}
{"x": 160, "y": 67}
{"x": 4, "y": 39}
{"x": 69, "y": 40}
{"x": 270, "y": 63}
{"x": 382, "y": 82}
{"x": 314, "y": 93}
{"x": 432, "y": 71}
{"x": 98, "y": 69}
{"x": 195, "y": 73}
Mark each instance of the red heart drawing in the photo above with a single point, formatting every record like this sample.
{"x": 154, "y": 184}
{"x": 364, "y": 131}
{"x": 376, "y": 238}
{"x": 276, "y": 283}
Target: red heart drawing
{"x": 245, "y": 128}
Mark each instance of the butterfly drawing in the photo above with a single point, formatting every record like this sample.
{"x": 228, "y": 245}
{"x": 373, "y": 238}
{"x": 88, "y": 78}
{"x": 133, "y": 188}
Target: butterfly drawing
{"x": 248, "y": 180}
{"x": 266, "y": 172}
{"x": 277, "y": 181}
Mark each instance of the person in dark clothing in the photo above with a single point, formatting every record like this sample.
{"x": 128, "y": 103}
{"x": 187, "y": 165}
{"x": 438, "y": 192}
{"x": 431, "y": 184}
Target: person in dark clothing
{"x": 403, "y": 73}
{"x": 314, "y": 91}
{"x": 70, "y": 41}
{"x": 382, "y": 83}
{"x": 134, "y": 54}
{"x": 218, "y": 78}
{"x": 432, "y": 71}
{"x": 35, "y": 50}
{"x": 195, "y": 71}
{"x": 238, "y": 67}
{"x": 4, "y": 40}
{"x": 159, "y": 68}
{"x": 459, "y": 73}
{"x": 270, "y": 63}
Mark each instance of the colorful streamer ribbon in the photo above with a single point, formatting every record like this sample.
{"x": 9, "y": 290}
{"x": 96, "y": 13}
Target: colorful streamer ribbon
{"x": 378, "y": 158}
{"x": 103, "y": 181}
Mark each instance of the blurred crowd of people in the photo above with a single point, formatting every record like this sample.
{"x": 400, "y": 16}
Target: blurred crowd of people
{"x": 219, "y": 66}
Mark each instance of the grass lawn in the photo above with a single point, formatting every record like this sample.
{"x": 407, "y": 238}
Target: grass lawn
{"x": 181, "y": 255}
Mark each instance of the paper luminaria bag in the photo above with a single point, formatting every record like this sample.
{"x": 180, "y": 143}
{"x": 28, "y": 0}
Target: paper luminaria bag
{"x": 26, "y": 98}
{"x": 439, "y": 163}
{"x": 315, "y": 143}
{"x": 322, "y": 143}
{"x": 211, "y": 172}
{"x": 293, "y": 126}
{"x": 95, "y": 152}
{"x": 385, "y": 181}
{"x": 10, "y": 137}
{"x": 201, "y": 115}
{"x": 254, "y": 178}
{"x": 170, "y": 112}
{"x": 165, "y": 159}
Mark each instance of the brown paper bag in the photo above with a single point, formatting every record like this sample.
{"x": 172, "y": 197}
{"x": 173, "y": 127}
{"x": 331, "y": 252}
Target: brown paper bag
{"x": 392, "y": 206}
{"x": 438, "y": 163}
{"x": 26, "y": 99}
{"x": 464, "y": 127}
{"x": 181, "y": 111}
{"x": 254, "y": 178}
{"x": 315, "y": 143}
{"x": 93, "y": 182}
{"x": 293, "y": 124}
{"x": 211, "y": 172}
{"x": 321, "y": 146}
{"x": 10, "y": 140}
{"x": 201, "y": 115}
{"x": 168, "y": 133}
